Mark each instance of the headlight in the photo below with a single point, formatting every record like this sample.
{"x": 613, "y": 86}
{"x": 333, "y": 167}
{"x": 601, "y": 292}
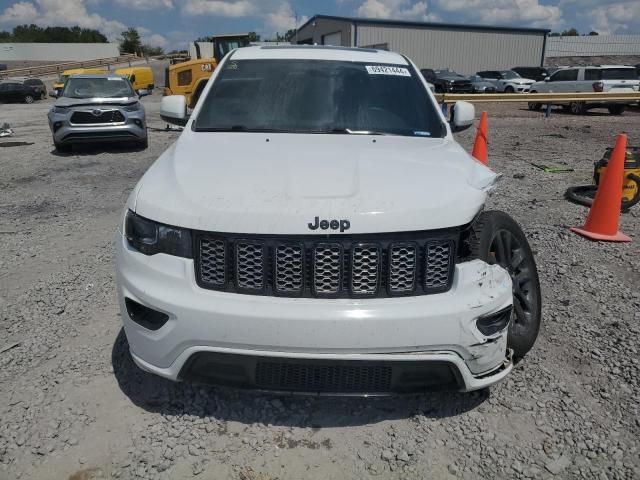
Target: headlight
{"x": 55, "y": 109}
{"x": 149, "y": 237}
{"x": 134, "y": 107}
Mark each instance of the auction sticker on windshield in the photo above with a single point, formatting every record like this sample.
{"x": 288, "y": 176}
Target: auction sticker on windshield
{"x": 384, "y": 70}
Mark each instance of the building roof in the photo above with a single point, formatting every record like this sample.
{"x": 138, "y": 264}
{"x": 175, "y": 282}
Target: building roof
{"x": 447, "y": 26}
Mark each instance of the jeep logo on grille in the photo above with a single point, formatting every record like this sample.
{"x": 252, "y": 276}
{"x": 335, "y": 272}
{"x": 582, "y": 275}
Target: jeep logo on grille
{"x": 332, "y": 224}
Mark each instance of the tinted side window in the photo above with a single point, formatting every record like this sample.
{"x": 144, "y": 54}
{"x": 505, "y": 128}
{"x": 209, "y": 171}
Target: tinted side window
{"x": 565, "y": 76}
{"x": 592, "y": 74}
{"x": 428, "y": 73}
{"x": 618, "y": 74}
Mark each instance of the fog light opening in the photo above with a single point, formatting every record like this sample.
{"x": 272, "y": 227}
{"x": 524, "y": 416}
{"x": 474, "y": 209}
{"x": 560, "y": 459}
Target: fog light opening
{"x": 495, "y": 322}
{"x": 147, "y": 317}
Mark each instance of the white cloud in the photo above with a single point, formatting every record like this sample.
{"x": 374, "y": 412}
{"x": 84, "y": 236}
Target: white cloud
{"x": 147, "y": 4}
{"x": 276, "y": 15}
{"x": 75, "y": 12}
{"x": 396, "y": 9}
{"x": 149, "y": 38}
{"x": 529, "y": 12}
{"x": 222, "y": 8}
{"x": 618, "y": 17}
{"x": 60, "y": 13}
{"x": 20, "y": 12}
{"x": 283, "y": 18}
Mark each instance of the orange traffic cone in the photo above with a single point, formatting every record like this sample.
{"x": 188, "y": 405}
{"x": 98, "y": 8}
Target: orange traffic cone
{"x": 604, "y": 216}
{"x": 480, "y": 147}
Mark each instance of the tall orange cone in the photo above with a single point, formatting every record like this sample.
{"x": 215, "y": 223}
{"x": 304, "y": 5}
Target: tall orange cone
{"x": 480, "y": 147}
{"x": 604, "y": 216}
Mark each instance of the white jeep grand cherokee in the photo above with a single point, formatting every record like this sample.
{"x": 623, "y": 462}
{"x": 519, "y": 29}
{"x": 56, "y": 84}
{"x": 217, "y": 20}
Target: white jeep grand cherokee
{"x": 317, "y": 229}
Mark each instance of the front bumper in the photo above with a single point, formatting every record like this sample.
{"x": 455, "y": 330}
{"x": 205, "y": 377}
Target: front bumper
{"x": 133, "y": 128}
{"x": 230, "y": 335}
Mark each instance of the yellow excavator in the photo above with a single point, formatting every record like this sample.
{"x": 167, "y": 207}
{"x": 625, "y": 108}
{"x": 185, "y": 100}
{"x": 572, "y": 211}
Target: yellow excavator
{"x": 189, "y": 78}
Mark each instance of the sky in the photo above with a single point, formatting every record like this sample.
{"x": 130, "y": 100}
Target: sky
{"x": 172, "y": 23}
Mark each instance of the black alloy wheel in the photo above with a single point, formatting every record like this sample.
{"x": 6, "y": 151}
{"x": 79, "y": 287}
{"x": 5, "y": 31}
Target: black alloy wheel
{"x": 498, "y": 239}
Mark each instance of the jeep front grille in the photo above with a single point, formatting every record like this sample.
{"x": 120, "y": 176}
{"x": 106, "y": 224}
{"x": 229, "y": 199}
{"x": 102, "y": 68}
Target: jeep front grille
{"x": 338, "y": 266}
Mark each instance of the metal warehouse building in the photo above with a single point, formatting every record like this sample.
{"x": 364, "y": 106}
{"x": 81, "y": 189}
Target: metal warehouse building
{"x": 463, "y": 48}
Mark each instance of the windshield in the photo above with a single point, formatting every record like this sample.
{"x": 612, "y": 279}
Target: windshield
{"x": 510, "y": 74}
{"x": 319, "y": 96}
{"x": 619, "y": 74}
{"x": 110, "y": 87}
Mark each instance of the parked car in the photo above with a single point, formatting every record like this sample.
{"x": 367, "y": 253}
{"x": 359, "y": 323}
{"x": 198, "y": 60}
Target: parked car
{"x": 20, "y": 90}
{"x": 141, "y": 78}
{"x": 38, "y": 86}
{"x": 3, "y": 67}
{"x": 97, "y": 108}
{"x": 447, "y": 81}
{"x": 535, "y": 73}
{"x": 480, "y": 85}
{"x": 507, "y": 81}
{"x": 600, "y": 78}
{"x": 323, "y": 233}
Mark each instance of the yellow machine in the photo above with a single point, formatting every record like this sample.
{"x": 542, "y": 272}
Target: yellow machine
{"x": 630, "y": 190}
{"x": 189, "y": 78}
{"x": 59, "y": 85}
{"x": 584, "y": 194}
{"x": 140, "y": 77}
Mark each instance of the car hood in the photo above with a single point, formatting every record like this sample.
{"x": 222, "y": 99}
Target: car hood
{"x": 457, "y": 78}
{"x": 279, "y": 183}
{"x": 72, "y": 102}
{"x": 521, "y": 81}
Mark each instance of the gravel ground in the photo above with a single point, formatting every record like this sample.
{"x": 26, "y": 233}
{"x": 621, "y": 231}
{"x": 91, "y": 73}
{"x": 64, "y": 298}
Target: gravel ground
{"x": 73, "y": 405}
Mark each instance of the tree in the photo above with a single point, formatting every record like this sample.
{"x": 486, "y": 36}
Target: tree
{"x": 254, "y": 37}
{"x": 130, "y": 41}
{"x": 290, "y": 36}
{"x": 593, "y": 34}
{"x": 149, "y": 51}
{"x": 36, "y": 34}
{"x": 572, "y": 32}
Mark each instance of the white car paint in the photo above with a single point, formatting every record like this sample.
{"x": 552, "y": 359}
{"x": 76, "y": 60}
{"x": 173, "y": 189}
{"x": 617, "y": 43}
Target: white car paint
{"x": 581, "y": 83}
{"x": 519, "y": 85}
{"x": 259, "y": 183}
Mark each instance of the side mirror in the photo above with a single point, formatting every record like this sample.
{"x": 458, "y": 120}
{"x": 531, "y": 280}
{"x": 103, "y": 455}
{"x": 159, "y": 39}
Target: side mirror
{"x": 173, "y": 109}
{"x": 547, "y": 79}
{"x": 143, "y": 92}
{"x": 53, "y": 93}
{"x": 462, "y": 116}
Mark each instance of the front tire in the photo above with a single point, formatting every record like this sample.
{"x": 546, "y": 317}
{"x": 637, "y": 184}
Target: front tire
{"x": 28, "y": 99}
{"x": 496, "y": 238}
{"x": 617, "y": 109}
{"x": 509, "y": 89}
{"x": 577, "y": 108}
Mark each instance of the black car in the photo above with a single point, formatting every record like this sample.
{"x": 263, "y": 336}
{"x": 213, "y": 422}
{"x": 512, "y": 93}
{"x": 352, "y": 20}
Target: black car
{"x": 534, "y": 73}
{"x": 26, "y": 91}
{"x": 447, "y": 81}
